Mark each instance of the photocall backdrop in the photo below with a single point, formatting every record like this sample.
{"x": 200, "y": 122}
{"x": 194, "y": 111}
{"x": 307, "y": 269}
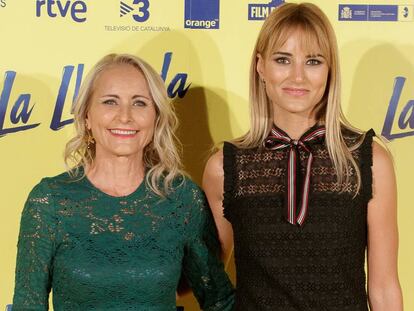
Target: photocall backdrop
{"x": 202, "y": 49}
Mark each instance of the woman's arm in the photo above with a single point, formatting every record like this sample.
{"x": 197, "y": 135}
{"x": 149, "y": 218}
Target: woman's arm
{"x": 35, "y": 252}
{"x": 202, "y": 266}
{"x": 213, "y": 186}
{"x": 384, "y": 289}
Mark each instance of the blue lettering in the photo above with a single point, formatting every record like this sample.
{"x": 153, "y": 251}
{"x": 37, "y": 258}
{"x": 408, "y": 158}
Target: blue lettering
{"x": 24, "y": 115}
{"x": 143, "y": 11}
{"x": 181, "y": 90}
{"x": 63, "y": 10}
{"x": 403, "y": 121}
{"x": 14, "y": 117}
{"x": 180, "y": 79}
{"x": 5, "y": 94}
{"x": 57, "y": 122}
{"x": 39, "y": 4}
{"x": 50, "y": 4}
{"x": 166, "y": 65}
{"x": 81, "y": 9}
{"x": 76, "y": 8}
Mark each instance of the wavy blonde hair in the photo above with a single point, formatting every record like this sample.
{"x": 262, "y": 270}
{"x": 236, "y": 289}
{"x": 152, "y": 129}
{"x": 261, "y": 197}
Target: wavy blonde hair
{"x": 161, "y": 156}
{"x": 317, "y": 33}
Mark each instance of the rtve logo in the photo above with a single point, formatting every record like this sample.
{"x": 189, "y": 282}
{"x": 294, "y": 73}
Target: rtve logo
{"x": 55, "y": 8}
{"x": 140, "y": 7}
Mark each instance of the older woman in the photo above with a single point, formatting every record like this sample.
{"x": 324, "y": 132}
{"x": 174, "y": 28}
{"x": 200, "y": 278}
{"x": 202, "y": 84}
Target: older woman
{"x": 116, "y": 231}
{"x": 305, "y": 193}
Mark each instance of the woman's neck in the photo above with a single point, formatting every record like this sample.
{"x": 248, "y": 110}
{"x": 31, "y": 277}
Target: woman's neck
{"x": 294, "y": 125}
{"x": 117, "y": 176}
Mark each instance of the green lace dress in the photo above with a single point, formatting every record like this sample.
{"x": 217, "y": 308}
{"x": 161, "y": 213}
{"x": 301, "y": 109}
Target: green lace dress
{"x": 99, "y": 252}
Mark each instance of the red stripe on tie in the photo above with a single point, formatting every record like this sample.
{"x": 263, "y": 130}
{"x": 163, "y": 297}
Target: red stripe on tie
{"x": 276, "y": 140}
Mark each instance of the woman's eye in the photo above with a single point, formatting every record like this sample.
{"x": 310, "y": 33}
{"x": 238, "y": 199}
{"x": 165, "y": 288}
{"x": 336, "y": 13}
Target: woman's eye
{"x": 139, "y": 103}
{"x": 109, "y": 102}
{"x": 282, "y": 60}
{"x": 313, "y": 62}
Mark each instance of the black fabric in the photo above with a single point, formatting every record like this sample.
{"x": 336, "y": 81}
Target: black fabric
{"x": 318, "y": 266}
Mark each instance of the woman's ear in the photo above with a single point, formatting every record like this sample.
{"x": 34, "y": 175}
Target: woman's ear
{"x": 260, "y": 65}
{"x": 87, "y": 123}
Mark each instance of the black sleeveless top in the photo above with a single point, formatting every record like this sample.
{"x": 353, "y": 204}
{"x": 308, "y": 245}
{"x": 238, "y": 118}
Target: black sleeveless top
{"x": 317, "y": 266}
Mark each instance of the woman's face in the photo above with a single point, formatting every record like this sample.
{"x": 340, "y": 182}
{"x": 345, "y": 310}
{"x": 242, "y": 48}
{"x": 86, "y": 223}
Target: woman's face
{"x": 295, "y": 79}
{"x": 121, "y": 114}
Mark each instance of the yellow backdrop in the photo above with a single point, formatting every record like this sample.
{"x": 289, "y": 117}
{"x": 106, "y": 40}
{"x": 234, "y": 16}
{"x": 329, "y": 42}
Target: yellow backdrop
{"x": 202, "y": 48}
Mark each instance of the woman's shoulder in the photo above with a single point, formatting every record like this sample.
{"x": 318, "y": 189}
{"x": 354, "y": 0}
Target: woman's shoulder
{"x": 237, "y": 144}
{"x": 42, "y": 197}
{"x": 184, "y": 185}
{"x": 55, "y": 184}
{"x": 214, "y": 165}
{"x": 357, "y": 137}
{"x": 185, "y": 190}
{"x": 349, "y": 133}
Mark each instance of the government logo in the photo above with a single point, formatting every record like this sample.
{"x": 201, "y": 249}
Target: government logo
{"x": 375, "y": 13}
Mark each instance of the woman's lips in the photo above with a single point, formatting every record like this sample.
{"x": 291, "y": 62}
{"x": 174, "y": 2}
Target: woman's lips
{"x": 123, "y": 133}
{"x": 295, "y": 91}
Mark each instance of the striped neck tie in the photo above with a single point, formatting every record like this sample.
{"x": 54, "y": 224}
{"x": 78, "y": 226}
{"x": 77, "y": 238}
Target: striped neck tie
{"x": 278, "y": 139}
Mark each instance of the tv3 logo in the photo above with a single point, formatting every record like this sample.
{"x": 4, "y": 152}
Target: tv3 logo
{"x": 140, "y": 9}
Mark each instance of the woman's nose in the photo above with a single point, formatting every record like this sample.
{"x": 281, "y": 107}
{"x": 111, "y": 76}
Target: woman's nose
{"x": 298, "y": 72}
{"x": 125, "y": 113}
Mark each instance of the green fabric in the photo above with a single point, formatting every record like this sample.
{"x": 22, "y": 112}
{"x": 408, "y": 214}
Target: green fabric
{"x": 99, "y": 252}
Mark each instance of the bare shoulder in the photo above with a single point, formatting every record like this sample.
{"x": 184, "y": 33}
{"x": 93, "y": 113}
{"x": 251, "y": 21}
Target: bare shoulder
{"x": 213, "y": 177}
{"x": 382, "y": 160}
{"x": 384, "y": 182}
{"x": 214, "y": 166}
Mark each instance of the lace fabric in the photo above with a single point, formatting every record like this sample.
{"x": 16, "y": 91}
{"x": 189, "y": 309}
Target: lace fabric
{"x": 317, "y": 266}
{"x": 99, "y": 252}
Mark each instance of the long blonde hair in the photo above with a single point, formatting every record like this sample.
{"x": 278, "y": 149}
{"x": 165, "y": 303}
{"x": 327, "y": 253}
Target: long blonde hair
{"x": 161, "y": 156}
{"x": 316, "y": 30}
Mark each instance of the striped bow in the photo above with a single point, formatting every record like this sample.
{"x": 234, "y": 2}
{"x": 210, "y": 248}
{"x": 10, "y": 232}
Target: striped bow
{"x": 276, "y": 140}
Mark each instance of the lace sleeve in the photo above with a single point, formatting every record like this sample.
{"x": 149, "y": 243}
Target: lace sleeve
{"x": 35, "y": 251}
{"x": 202, "y": 266}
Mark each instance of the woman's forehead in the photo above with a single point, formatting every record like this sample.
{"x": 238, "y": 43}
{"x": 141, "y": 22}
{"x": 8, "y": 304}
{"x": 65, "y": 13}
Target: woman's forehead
{"x": 306, "y": 40}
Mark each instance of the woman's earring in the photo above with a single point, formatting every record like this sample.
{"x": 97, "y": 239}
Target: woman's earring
{"x": 264, "y": 82}
{"x": 89, "y": 140}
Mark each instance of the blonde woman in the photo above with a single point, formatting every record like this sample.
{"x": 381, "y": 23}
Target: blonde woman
{"x": 116, "y": 231}
{"x": 305, "y": 193}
